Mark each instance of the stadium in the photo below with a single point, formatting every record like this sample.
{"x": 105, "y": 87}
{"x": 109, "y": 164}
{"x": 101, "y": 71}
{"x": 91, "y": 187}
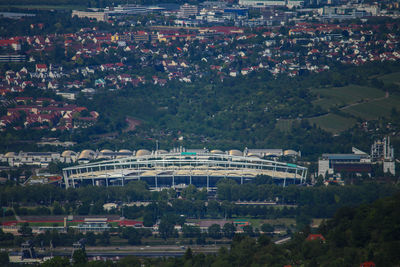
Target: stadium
{"x": 162, "y": 169}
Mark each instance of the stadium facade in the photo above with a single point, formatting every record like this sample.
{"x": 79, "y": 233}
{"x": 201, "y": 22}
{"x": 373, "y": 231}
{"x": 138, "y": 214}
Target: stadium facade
{"x": 162, "y": 169}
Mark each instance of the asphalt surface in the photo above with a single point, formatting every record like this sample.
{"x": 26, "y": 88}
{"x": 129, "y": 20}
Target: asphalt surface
{"x": 141, "y": 251}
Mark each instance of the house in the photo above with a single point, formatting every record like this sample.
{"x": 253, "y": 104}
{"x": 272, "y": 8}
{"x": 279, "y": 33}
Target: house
{"x": 312, "y": 237}
{"x": 245, "y": 71}
{"x": 125, "y": 78}
{"x": 130, "y": 223}
{"x": 41, "y": 68}
{"x": 100, "y": 82}
{"x": 53, "y": 85}
{"x": 368, "y": 264}
{"x": 26, "y": 83}
{"x": 23, "y": 99}
{"x": 10, "y": 43}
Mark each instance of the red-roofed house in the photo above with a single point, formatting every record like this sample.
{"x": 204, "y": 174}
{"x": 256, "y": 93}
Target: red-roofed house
{"x": 368, "y": 264}
{"x": 41, "y": 68}
{"x": 131, "y": 223}
{"x": 79, "y": 109}
{"x": 12, "y": 43}
{"x": 312, "y": 237}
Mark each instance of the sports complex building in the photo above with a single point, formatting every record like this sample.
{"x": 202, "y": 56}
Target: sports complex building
{"x": 176, "y": 169}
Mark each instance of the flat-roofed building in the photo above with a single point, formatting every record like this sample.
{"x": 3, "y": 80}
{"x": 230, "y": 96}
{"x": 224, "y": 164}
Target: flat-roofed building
{"x": 99, "y": 16}
{"x": 12, "y": 58}
{"x": 187, "y": 10}
{"x": 41, "y": 159}
{"x": 263, "y": 3}
{"x": 358, "y": 162}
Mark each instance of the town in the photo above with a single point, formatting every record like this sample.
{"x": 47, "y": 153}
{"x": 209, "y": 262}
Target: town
{"x": 199, "y": 133}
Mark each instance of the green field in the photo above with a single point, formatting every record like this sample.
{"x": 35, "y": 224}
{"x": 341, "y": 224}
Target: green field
{"x": 391, "y": 78}
{"x": 284, "y": 125}
{"x": 375, "y": 109}
{"x": 342, "y": 96}
{"x": 333, "y": 123}
{"x": 362, "y": 102}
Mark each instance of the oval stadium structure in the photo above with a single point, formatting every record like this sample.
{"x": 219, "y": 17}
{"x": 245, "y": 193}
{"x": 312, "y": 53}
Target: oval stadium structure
{"x": 179, "y": 169}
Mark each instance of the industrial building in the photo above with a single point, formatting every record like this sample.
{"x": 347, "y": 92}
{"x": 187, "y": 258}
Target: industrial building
{"x": 359, "y": 162}
{"x": 383, "y": 151}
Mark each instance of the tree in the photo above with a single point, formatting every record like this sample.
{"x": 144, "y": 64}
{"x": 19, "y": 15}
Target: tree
{"x": 213, "y": 208}
{"x": 191, "y": 231}
{"x": 4, "y": 259}
{"x": 188, "y": 254}
{"x": 57, "y": 262}
{"x": 148, "y": 219}
{"x": 132, "y": 235}
{"x": 91, "y": 239}
{"x": 229, "y": 230}
{"x": 267, "y": 228}
{"x": 214, "y": 231}
{"x": 129, "y": 261}
{"x": 57, "y": 209}
{"x": 166, "y": 228}
{"x": 79, "y": 257}
{"x": 25, "y": 230}
{"x": 248, "y": 230}
{"x": 264, "y": 240}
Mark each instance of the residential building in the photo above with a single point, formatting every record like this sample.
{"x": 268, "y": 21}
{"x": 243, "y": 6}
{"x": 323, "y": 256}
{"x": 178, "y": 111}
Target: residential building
{"x": 99, "y": 16}
{"x": 187, "y": 10}
{"x": 12, "y": 58}
{"x": 264, "y": 3}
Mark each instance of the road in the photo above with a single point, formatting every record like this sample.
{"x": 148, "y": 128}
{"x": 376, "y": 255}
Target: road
{"x": 141, "y": 251}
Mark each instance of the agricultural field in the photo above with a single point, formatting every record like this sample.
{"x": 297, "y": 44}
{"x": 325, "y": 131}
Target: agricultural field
{"x": 343, "y": 96}
{"x": 333, "y": 123}
{"x": 375, "y": 109}
{"x": 391, "y": 78}
{"x": 366, "y": 103}
{"x": 284, "y": 125}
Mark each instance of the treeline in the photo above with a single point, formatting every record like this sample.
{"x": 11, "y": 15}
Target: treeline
{"x": 58, "y": 22}
{"x": 313, "y": 201}
{"x": 56, "y": 239}
{"x": 47, "y": 194}
{"x": 305, "y": 202}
